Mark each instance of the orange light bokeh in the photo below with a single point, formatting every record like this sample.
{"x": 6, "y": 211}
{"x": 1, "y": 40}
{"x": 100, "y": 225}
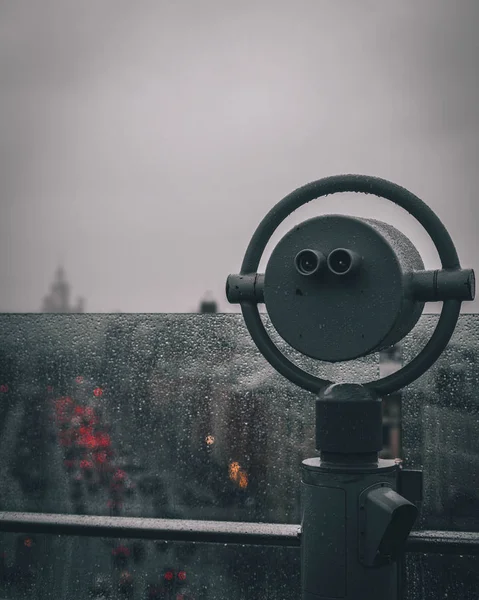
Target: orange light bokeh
{"x": 238, "y": 475}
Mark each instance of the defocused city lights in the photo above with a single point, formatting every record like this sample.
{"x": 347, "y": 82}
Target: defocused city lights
{"x": 238, "y": 475}
{"x": 243, "y": 480}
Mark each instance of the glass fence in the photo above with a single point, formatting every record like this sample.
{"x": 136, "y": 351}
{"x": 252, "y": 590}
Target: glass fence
{"x": 179, "y": 417}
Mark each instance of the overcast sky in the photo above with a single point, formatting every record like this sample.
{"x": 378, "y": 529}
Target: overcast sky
{"x": 141, "y": 143}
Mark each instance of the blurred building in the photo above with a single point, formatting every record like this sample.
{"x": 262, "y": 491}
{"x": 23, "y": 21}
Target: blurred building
{"x": 208, "y": 304}
{"x": 390, "y": 361}
{"x": 58, "y": 300}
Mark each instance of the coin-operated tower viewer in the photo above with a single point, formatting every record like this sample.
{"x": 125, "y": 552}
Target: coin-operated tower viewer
{"x": 337, "y": 288}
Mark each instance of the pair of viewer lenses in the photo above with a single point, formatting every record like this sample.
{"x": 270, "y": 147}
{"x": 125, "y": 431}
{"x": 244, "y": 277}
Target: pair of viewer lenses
{"x": 340, "y": 261}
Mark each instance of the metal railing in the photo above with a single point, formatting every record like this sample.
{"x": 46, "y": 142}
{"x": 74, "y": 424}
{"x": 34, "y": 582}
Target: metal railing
{"x": 214, "y": 532}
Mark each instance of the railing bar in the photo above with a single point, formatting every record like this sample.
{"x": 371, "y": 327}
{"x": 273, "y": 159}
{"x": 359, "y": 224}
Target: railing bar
{"x": 219, "y": 532}
{"x": 443, "y": 542}
{"x": 159, "y": 529}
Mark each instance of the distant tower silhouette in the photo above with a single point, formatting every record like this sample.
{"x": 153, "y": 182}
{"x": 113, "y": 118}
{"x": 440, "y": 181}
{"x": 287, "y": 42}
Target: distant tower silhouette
{"x": 208, "y": 304}
{"x": 58, "y": 300}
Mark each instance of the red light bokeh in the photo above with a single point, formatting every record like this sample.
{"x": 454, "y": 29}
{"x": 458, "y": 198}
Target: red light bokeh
{"x": 121, "y": 551}
{"x": 104, "y": 440}
{"x": 119, "y": 474}
{"x": 100, "y": 457}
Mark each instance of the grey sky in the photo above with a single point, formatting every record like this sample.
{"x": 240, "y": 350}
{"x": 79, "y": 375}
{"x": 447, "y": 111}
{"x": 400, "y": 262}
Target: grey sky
{"x": 142, "y": 142}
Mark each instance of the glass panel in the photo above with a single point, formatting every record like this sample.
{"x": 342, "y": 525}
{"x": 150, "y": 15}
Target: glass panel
{"x": 152, "y": 416}
{"x": 50, "y": 567}
{"x": 183, "y": 405}
{"x": 180, "y": 416}
{"x": 430, "y": 577}
{"x": 441, "y": 424}
{"x": 47, "y": 567}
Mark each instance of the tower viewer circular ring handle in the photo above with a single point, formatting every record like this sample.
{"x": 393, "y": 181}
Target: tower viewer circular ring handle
{"x": 366, "y": 185}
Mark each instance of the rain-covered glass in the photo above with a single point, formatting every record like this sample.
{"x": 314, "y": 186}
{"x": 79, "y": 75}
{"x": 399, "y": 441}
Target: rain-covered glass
{"x": 151, "y": 416}
{"x": 179, "y": 416}
{"x": 438, "y": 577}
{"x": 49, "y": 567}
{"x": 440, "y": 423}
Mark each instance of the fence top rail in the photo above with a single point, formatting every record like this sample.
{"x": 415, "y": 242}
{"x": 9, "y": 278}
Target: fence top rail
{"x": 220, "y": 532}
